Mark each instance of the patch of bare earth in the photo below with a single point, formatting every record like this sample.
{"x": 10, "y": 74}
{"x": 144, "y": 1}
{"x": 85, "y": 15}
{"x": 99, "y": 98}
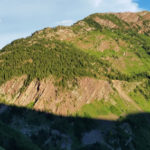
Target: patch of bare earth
{"x": 122, "y": 43}
{"x": 28, "y": 61}
{"x": 121, "y": 67}
{"x": 84, "y": 45}
{"x": 3, "y": 53}
{"x": 65, "y": 34}
{"x": 1, "y": 61}
{"x": 108, "y": 45}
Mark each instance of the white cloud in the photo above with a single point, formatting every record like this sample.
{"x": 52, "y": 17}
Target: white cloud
{"x": 115, "y": 5}
{"x": 66, "y": 22}
{"x": 96, "y": 3}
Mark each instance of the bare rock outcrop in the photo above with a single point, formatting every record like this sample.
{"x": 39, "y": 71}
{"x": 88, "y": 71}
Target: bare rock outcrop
{"x": 45, "y": 96}
{"x": 105, "y": 22}
{"x": 12, "y": 87}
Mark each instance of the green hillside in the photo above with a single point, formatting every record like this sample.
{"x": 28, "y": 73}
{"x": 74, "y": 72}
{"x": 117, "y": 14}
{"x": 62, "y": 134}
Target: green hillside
{"x": 77, "y": 84}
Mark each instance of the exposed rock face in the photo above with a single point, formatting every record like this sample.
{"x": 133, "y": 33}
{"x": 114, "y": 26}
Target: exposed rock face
{"x": 61, "y": 33}
{"x": 133, "y": 17}
{"x": 128, "y": 17}
{"x": 136, "y": 20}
{"x": 12, "y": 87}
{"x": 105, "y": 22}
{"x": 45, "y": 96}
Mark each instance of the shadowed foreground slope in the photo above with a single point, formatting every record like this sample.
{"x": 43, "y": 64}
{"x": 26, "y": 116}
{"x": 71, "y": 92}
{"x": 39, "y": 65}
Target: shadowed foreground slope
{"x": 26, "y": 129}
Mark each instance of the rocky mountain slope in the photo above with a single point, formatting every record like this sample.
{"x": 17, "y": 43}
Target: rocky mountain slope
{"x": 97, "y": 68}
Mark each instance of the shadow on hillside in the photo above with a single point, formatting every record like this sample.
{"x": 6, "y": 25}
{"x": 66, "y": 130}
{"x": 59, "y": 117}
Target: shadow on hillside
{"x": 25, "y": 129}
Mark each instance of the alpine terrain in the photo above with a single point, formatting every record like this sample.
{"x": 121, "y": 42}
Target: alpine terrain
{"x": 82, "y": 87}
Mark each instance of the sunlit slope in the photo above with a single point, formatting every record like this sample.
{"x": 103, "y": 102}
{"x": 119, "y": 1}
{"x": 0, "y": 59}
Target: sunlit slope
{"x": 98, "y": 66}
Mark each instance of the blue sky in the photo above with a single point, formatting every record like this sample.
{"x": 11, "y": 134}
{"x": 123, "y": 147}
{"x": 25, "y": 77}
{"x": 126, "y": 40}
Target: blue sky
{"x": 20, "y": 18}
